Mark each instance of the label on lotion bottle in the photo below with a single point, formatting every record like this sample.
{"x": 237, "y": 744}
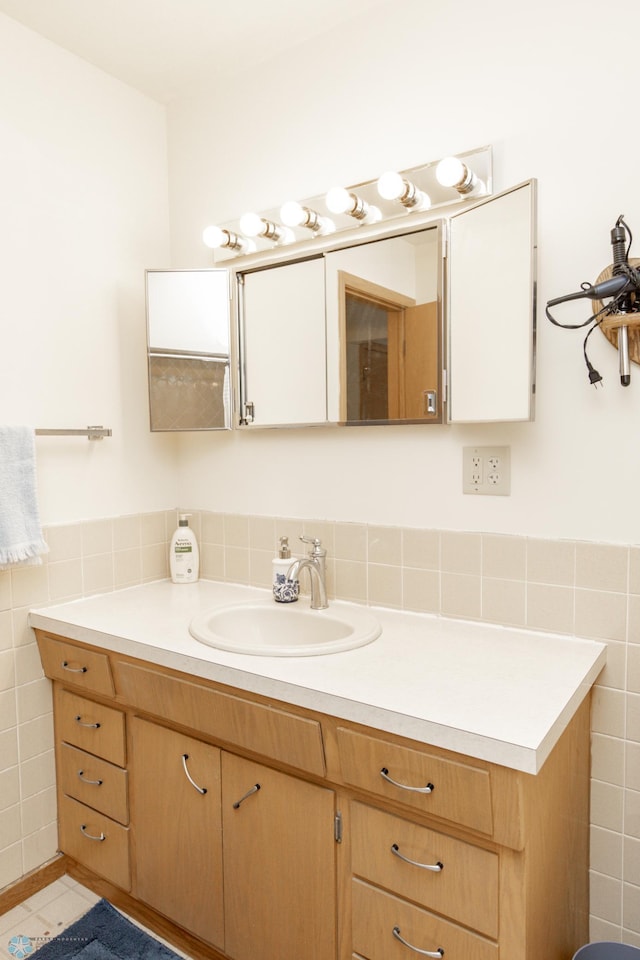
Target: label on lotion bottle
{"x": 184, "y": 556}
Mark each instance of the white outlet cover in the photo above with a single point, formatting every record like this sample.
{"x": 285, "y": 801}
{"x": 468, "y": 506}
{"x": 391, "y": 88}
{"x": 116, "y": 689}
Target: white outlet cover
{"x": 486, "y": 471}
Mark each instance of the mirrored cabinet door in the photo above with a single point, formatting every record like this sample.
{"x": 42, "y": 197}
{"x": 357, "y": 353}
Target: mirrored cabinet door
{"x": 189, "y": 344}
{"x": 283, "y": 345}
{"x": 491, "y": 305}
{"x": 384, "y": 330}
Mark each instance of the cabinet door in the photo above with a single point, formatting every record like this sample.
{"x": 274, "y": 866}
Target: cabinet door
{"x": 283, "y": 344}
{"x": 177, "y": 828}
{"x": 279, "y": 864}
{"x": 491, "y": 301}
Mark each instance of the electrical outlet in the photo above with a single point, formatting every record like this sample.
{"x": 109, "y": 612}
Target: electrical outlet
{"x": 486, "y": 470}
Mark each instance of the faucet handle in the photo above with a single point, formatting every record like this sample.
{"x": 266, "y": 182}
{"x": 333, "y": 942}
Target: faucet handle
{"x": 317, "y": 549}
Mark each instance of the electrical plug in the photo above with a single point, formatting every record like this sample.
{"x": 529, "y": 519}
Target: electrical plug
{"x": 594, "y": 376}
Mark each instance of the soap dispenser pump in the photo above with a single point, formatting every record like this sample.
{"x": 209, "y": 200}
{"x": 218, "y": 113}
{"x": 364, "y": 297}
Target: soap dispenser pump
{"x": 184, "y": 555}
{"x": 284, "y": 591}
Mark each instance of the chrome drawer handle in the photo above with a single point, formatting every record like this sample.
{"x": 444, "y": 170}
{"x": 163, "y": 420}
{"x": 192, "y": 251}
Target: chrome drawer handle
{"x": 82, "y": 723}
{"x": 94, "y": 783}
{"x": 202, "y": 790}
{"x": 424, "y": 953}
{"x": 249, "y": 793}
{"x": 429, "y": 788}
{"x": 434, "y": 867}
{"x": 89, "y": 836}
{"x": 65, "y": 666}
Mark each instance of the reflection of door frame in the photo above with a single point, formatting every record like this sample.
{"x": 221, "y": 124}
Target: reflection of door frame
{"x": 394, "y": 302}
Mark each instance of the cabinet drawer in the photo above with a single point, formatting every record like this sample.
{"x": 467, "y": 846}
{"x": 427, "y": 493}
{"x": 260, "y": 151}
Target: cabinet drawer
{"x": 95, "y": 841}
{"x": 464, "y": 888}
{"x": 458, "y": 792}
{"x": 90, "y": 726}
{"x": 376, "y": 915}
{"x": 95, "y": 782}
{"x": 253, "y": 726}
{"x": 75, "y": 665}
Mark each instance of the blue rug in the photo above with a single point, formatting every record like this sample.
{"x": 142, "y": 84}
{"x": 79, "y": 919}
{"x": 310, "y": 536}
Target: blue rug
{"x": 103, "y": 934}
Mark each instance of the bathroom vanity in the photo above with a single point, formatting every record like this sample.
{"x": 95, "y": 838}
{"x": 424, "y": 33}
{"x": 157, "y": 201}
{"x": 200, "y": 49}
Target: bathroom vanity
{"x": 426, "y": 794}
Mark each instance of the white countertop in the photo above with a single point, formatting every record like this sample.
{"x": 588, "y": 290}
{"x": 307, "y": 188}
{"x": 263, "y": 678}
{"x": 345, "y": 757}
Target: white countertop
{"x": 495, "y": 693}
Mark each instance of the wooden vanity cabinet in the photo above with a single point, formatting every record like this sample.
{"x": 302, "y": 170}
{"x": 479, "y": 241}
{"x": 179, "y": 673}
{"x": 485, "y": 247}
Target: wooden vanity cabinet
{"x": 178, "y": 827}
{"x": 316, "y": 838}
{"x": 279, "y": 864}
{"x": 93, "y": 808}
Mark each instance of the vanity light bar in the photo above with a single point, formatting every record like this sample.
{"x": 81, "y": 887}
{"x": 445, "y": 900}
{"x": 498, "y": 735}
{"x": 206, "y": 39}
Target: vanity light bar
{"x": 394, "y": 194}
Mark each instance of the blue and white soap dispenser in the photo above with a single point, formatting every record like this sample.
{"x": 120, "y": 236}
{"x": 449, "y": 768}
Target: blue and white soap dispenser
{"x": 284, "y": 591}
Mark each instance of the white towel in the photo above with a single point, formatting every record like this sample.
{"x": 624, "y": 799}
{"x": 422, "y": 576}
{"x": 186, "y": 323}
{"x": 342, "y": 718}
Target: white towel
{"x": 21, "y": 539}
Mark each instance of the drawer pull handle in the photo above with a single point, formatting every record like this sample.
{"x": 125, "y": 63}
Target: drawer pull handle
{"x": 82, "y": 723}
{"x": 65, "y": 666}
{"x": 429, "y": 788}
{"x": 424, "y": 953}
{"x": 249, "y": 793}
{"x": 90, "y": 836}
{"x": 94, "y": 783}
{"x": 201, "y": 790}
{"x": 434, "y": 867}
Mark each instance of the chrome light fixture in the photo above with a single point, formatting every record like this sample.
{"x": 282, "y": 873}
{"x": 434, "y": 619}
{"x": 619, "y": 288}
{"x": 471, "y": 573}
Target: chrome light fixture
{"x": 452, "y": 172}
{"x": 392, "y": 186}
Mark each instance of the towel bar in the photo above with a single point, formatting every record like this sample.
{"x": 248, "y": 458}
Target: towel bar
{"x": 92, "y": 433}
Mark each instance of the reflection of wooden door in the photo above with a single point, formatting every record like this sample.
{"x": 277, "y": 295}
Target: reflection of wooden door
{"x": 370, "y": 389}
{"x": 413, "y": 361}
{"x": 372, "y": 364}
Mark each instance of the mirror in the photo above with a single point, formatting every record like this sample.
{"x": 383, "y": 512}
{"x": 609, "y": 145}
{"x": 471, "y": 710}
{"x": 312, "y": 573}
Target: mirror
{"x": 383, "y": 303}
{"x": 283, "y": 344}
{"x": 433, "y": 323}
{"x": 188, "y": 349}
{"x": 350, "y": 336}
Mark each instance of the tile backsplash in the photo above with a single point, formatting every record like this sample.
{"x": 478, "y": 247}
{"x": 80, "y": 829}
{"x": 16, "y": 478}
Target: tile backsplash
{"x": 571, "y": 587}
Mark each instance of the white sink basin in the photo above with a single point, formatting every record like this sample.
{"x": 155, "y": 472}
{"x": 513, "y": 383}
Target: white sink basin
{"x": 285, "y": 629}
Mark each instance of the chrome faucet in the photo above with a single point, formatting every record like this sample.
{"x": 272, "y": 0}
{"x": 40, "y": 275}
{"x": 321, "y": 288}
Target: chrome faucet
{"x": 314, "y": 562}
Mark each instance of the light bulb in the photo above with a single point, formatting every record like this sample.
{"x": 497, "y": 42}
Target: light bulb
{"x": 391, "y": 186}
{"x": 450, "y": 171}
{"x": 339, "y": 200}
{"x": 217, "y": 237}
{"x": 292, "y": 213}
{"x": 213, "y": 237}
{"x": 251, "y": 224}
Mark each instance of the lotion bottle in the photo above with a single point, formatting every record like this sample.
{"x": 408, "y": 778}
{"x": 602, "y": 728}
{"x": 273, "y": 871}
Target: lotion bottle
{"x": 184, "y": 556}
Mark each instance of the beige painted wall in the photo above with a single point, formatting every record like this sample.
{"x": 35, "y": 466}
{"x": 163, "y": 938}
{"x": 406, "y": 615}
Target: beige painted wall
{"x": 414, "y": 82}
{"x": 84, "y": 209}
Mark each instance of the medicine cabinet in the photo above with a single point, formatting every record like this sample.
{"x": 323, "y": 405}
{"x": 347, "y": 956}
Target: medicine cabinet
{"x": 189, "y": 349}
{"x": 432, "y": 322}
